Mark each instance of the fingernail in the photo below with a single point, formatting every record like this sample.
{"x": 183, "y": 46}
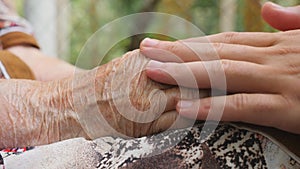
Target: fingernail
{"x": 149, "y": 42}
{"x": 154, "y": 65}
{"x": 185, "y": 104}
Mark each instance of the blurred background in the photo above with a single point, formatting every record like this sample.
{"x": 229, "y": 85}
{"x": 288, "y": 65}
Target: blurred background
{"x": 62, "y": 27}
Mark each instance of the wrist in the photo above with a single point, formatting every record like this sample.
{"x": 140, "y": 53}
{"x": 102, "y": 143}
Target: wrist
{"x": 89, "y": 98}
{"x": 40, "y": 112}
{"x": 61, "y": 105}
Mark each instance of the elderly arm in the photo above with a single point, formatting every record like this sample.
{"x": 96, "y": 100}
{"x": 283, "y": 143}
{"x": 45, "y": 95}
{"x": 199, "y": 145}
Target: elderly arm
{"x": 116, "y": 99}
{"x": 34, "y": 113}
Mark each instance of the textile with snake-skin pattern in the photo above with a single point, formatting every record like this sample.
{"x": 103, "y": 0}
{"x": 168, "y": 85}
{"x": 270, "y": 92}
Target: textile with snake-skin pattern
{"x": 227, "y": 147}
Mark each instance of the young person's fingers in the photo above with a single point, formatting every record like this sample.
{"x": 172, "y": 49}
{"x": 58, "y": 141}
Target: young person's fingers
{"x": 167, "y": 51}
{"x": 190, "y": 51}
{"x": 281, "y": 18}
{"x": 256, "y": 39}
{"x": 239, "y": 76}
{"x": 261, "y": 109}
{"x": 176, "y": 93}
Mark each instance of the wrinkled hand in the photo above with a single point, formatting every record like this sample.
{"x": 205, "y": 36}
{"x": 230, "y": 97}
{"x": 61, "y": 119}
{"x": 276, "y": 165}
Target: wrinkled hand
{"x": 116, "y": 99}
{"x": 262, "y": 73}
{"x": 129, "y": 103}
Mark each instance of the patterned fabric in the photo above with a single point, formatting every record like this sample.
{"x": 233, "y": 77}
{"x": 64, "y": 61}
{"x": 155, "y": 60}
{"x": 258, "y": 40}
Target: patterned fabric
{"x": 1, "y": 162}
{"x": 11, "y": 22}
{"x": 11, "y": 151}
{"x": 227, "y": 147}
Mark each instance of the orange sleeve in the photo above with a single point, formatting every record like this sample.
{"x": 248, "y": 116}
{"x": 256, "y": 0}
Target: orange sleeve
{"x": 15, "y": 67}
{"x": 18, "y": 38}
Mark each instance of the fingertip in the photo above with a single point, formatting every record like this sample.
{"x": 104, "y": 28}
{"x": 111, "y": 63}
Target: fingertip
{"x": 274, "y": 15}
{"x": 154, "y": 70}
{"x": 145, "y": 50}
{"x": 269, "y": 13}
{"x": 281, "y": 18}
{"x": 147, "y": 42}
{"x": 155, "y": 74}
{"x": 152, "y": 53}
{"x": 270, "y": 4}
{"x": 265, "y": 9}
{"x": 271, "y": 7}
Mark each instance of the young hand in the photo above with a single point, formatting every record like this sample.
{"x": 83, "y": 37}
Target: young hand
{"x": 262, "y": 71}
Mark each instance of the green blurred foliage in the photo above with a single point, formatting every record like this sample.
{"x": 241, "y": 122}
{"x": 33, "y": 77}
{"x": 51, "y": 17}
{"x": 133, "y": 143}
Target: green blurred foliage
{"x": 199, "y": 12}
{"x": 89, "y": 16}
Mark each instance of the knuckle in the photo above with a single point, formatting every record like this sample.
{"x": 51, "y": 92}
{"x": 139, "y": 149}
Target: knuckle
{"x": 230, "y": 69}
{"x": 218, "y": 70}
{"x": 227, "y": 66}
{"x": 218, "y": 66}
{"x": 292, "y": 68}
{"x": 291, "y": 33}
{"x": 285, "y": 37}
{"x": 229, "y": 36}
{"x": 239, "y": 101}
{"x": 174, "y": 47}
{"x": 218, "y": 47}
{"x": 283, "y": 50}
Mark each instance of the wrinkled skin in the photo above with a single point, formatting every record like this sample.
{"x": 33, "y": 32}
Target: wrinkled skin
{"x": 91, "y": 104}
{"x": 122, "y": 86}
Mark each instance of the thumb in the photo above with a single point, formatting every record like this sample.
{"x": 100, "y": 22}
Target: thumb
{"x": 281, "y": 18}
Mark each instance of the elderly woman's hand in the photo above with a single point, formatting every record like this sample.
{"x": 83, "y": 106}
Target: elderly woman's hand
{"x": 116, "y": 99}
{"x": 126, "y": 101}
{"x": 262, "y": 72}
